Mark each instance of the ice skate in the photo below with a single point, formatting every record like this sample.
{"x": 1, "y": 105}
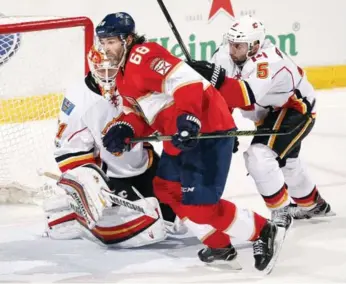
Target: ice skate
{"x": 267, "y": 247}
{"x": 220, "y": 255}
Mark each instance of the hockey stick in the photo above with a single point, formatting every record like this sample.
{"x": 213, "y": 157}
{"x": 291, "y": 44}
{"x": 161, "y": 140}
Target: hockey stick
{"x": 41, "y": 172}
{"x": 263, "y": 132}
{"x": 129, "y": 204}
{"x": 141, "y": 196}
{"x": 226, "y": 134}
{"x": 169, "y": 225}
{"x": 174, "y": 30}
{"x": 114, "y": 198}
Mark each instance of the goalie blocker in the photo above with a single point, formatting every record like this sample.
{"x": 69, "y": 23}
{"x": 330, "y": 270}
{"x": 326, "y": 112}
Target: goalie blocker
{"x": 88, "y": 211}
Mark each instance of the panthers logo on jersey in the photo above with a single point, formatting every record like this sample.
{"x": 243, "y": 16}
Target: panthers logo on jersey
{"x": 9, "y": 44}
{"x": 136, "y": 107}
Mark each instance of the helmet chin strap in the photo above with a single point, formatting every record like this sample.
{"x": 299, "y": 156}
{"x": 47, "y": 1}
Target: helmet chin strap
{"x": 123, "y": 58}
{"x": 250, "y": 47}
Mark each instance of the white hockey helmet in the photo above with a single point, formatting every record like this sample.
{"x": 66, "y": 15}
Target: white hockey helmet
{"x": 246, "y": 30}
{"x": 104, "y": 71}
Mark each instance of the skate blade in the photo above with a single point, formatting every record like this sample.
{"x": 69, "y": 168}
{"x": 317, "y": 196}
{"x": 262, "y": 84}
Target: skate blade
{"x": 317, "y": 216}
{"x": 278, "y": 242}
{"x": 225, "y": 265}
{"x": 329, "y": 214}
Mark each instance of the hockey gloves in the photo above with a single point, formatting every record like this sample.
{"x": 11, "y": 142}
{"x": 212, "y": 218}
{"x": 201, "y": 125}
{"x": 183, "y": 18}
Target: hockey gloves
{"x": 235, "y": 145}
{"x": 214, "y": 74}
{"x": 117, "y": 138}
{"x": 188, "y": 126}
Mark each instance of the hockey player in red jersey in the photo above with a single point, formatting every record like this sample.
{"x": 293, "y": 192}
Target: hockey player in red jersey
{"x": 163, "y": 93}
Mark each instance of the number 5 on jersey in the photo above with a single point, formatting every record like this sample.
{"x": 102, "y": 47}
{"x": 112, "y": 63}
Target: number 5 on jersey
{"x": 136, "y": 57}
{"x": 262, "y": 70}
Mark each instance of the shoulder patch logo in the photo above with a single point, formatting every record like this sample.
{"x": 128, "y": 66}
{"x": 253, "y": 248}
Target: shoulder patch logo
{"x": 161, "y": 66}
{"x": 67, "y": 106}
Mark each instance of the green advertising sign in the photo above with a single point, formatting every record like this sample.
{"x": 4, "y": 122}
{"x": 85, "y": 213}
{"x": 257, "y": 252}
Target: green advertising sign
{"x": 203, "y": 50}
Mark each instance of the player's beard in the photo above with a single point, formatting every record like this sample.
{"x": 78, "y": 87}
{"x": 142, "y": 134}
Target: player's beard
{"x": 117, "y": 60}
{"x": 238, "y": 61}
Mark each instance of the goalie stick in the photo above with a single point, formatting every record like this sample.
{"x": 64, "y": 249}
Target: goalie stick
{"x": 169, "y": 225}
{"x": 131, "y": 205}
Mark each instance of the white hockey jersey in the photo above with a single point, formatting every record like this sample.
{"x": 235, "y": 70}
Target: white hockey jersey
{"x": 83, "y": 120}
{"x": 273, "y": 78}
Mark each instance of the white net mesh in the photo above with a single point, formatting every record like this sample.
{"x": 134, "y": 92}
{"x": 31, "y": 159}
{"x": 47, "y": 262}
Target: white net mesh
{"x": 35, "y": 69}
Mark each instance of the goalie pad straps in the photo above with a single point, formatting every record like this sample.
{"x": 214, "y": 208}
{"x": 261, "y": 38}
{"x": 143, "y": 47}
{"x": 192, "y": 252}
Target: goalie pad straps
{"x": 115, "y": 199}
{"x": 85, "y": 185}
{"x": 76, "y": 191}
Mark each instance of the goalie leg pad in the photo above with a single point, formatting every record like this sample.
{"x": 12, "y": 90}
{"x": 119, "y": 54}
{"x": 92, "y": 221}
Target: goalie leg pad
{"x": 60, "y": 219}
{"x": 122, "y": 227}
{"x": 85, "y": 185}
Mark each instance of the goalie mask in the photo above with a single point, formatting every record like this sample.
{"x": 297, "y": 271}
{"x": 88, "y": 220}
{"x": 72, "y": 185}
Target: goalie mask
{"x": 104, "y": 71}
{"x": 244, "y": 38}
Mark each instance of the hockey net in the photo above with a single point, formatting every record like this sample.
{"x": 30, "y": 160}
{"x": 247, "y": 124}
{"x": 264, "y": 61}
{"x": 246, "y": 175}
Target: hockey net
{"x": 39, "y": 58}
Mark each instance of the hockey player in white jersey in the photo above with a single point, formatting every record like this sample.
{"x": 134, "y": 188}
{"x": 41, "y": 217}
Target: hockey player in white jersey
{"x": 276, "y": 95}
{"x": 83, "y": 118}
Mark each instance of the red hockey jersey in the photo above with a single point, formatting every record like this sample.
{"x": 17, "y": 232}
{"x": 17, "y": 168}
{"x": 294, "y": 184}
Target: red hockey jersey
{"x": 158, "y": 87}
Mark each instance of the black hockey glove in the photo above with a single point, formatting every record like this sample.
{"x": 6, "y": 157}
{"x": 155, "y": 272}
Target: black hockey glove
{"x": 117, "y": 138}
{"x": 188, "y": 126}
{"x": 214, "y": 74}
{"x": 235, "y": 145}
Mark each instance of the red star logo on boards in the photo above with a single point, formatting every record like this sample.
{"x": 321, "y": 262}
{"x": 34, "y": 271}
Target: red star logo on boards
{"x": 218, "y": 5}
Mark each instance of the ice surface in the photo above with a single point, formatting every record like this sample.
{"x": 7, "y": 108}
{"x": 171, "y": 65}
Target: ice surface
{"x": 315, "y": 251}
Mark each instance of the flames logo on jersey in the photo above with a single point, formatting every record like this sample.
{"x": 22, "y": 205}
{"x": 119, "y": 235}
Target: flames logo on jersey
{"x": 110, "y": 124}
{"x": 238, "y": 75}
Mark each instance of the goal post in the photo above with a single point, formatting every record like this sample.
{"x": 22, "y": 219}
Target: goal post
{"x": 52, "y": 24}
{"x": 39, "y": 58}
